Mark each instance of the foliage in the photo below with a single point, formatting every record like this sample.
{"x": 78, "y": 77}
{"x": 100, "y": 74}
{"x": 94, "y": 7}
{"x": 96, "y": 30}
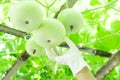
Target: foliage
{"x": 100, "y": 31}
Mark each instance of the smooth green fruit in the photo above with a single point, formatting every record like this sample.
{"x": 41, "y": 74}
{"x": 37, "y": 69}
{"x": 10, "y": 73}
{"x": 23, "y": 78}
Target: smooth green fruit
{"x": 25, "y": 15}
{"x": 71, "y": 19}
{"x": 33, "y": 48}
{"x": 50, "y": 33}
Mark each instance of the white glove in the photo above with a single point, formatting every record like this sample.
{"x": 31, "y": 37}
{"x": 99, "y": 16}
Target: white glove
{"x": 72, "y": 58}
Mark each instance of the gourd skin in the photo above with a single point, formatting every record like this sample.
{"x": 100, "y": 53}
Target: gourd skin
{"x": 71, "y": 19}
{"x": 50, "y": 33}
{"x": 33, "y": 48}
{"x": 25, "y": 15}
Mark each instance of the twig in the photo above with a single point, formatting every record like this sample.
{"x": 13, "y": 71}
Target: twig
{"x": 16, "y": 66}
{"x": 93, "y": 9}
{"x": 41, "y": 3}
{"x": 52, "y": 3}
{"x": 71, "y": 3}
{"x": 61, "y": 8}
{"x": 116, "y": 9}
{"x": 100, "y": 7}
{"x": 111, "y": 63}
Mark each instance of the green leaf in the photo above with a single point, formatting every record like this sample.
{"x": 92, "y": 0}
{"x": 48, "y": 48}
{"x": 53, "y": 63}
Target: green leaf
{"x": 92, "y": 16}
{"x": 115, "y": 25}
{"x": 75, "y": 38}
{"x": 4, "y": 1}
{"x": 94, "y": 2}
{"x": 106, "y": 40}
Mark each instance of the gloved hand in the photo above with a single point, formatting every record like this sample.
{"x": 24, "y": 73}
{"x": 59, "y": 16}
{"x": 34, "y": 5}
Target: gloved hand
{"x": 72, "y": 57}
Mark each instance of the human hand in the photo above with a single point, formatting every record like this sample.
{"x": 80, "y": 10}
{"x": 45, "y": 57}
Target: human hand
{"x": 72, "y": 57}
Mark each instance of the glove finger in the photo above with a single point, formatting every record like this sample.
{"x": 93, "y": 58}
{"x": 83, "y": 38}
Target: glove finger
{"x": 61, "y": 59}
{"x": 50, "y": 53}
{"x": 71, "y": 45}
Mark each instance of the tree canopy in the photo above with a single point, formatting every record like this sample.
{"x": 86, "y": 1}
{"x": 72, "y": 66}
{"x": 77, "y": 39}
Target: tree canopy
{"x": 98, "y": 41}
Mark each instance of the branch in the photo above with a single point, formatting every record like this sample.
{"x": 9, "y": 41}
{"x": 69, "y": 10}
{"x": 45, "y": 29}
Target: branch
{"x": 89, "y": 50}
{"x": 95, "y": 51}
{"x": 12, "y": 31}
{"x": 16, "y": 66}
{"x": 70, "y": 3}
{"x": 112, "y": 62}
{"x": 23, "y": 34}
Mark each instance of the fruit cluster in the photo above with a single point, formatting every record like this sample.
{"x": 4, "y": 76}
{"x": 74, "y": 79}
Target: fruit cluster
{"x": 46, "y": 32}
